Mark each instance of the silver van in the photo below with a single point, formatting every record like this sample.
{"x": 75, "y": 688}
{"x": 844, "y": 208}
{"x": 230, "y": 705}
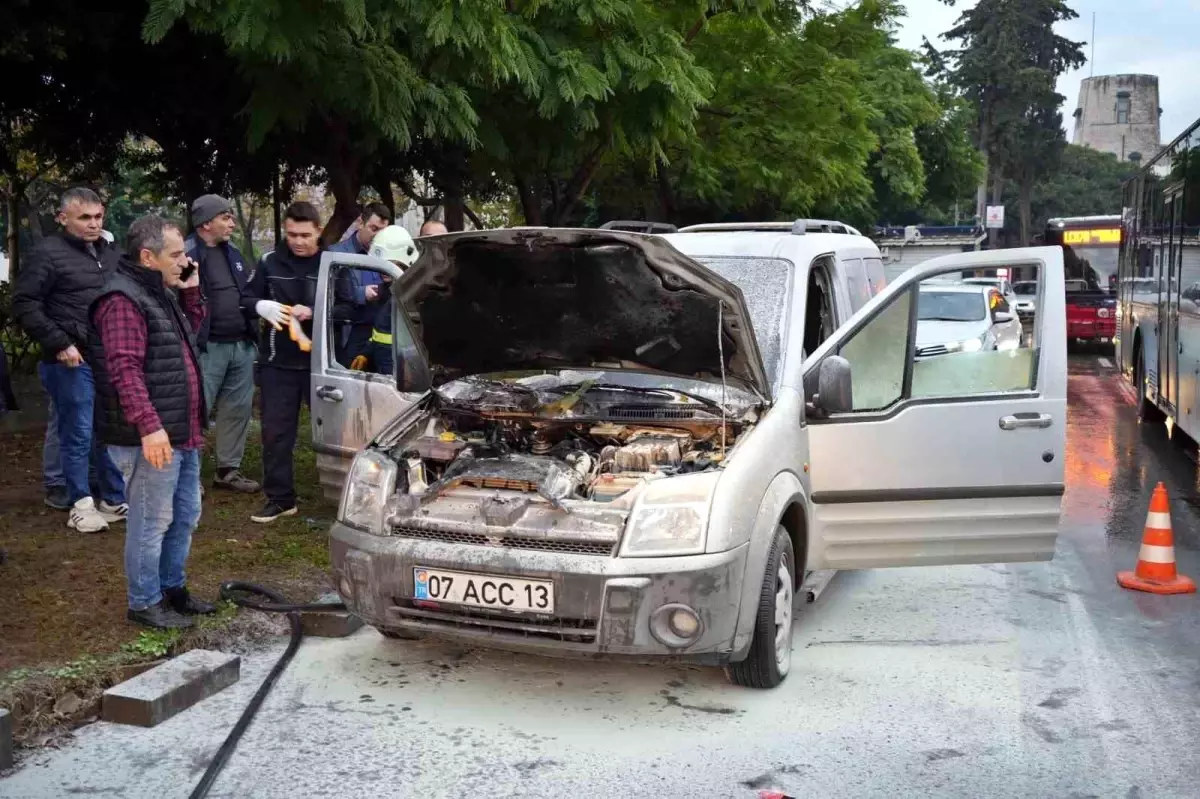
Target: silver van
{"x": 607, "y": 444}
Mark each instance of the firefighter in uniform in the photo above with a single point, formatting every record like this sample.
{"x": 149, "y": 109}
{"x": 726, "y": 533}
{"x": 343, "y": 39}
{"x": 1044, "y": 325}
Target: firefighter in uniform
{"x": 394, "y": 244}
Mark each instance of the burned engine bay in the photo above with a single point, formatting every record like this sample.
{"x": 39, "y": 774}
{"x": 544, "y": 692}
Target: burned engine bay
{"x": 501, "y": 441}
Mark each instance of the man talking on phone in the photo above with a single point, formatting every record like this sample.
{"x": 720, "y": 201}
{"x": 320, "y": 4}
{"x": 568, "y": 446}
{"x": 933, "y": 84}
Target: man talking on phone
{"x": 152, "y": 413}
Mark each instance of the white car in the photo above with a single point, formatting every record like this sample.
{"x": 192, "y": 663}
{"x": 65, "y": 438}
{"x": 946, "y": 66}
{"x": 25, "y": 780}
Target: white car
{"x": 964, "y": 318}
{"x": 1026, "y": 294}
{"x": 1001, "y": 284}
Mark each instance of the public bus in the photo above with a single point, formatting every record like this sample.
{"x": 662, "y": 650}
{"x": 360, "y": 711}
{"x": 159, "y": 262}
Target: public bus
{"x": 1158, "y": 319}
{"x": 1091, "y": 247}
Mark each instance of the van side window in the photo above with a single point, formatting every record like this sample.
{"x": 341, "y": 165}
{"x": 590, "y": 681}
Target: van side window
{"x": 960, "y": 340}
{"x": 820, "y": 319}
{"x": 876, "y": 276}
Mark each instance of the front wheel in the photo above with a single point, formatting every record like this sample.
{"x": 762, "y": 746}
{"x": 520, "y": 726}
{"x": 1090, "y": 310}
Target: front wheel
{"x": 770, "y": 655}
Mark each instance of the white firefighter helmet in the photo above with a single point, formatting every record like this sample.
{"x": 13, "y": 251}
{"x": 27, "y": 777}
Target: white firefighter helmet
{"x": 394, "y": 243}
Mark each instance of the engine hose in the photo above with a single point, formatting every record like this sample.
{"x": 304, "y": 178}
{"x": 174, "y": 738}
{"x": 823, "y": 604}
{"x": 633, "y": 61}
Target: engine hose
{"x": 237, "y": 593}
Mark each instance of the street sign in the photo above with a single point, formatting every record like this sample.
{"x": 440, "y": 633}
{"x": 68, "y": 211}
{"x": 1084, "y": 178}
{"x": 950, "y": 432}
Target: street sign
{"x": 995, "y": 216}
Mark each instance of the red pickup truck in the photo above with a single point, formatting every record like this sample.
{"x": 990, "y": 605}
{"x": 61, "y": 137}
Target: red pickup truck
{"x": 1091, "y": 314}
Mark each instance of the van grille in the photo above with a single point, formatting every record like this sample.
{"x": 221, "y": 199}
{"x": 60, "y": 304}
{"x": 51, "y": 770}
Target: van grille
{"x": 598, "y": 548}
{"x": 578, "y": 631}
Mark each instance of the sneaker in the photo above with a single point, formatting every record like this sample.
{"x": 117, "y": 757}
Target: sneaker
{"x": 85, "y": 518}
{"x": 234, "y": 480}
{"x": 161, "y": 617}
{"x": 57, "y": 498}
{"x": 114, "y": 513}
{"x": 271, "y": 511}
{"x": 186, "y": 604}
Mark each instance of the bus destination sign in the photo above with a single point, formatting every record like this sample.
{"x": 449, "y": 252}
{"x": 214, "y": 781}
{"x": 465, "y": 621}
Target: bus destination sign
{"x": 1086, "y": 236}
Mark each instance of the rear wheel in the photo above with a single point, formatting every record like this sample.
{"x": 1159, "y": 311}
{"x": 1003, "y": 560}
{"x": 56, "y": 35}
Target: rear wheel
{"x": 1146, "y": 409}
{"x": 770, "y": 656}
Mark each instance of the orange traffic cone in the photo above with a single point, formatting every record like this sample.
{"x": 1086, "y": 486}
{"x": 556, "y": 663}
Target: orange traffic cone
{"x": 1155, "y": 570}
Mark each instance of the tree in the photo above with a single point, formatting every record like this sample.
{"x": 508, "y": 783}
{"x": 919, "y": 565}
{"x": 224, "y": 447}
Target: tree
{"x": 1006, "y": 64}
{"x": 809, "y": 113}
{"x": 1086, "y": 182}
{"x": 57, "y": 124}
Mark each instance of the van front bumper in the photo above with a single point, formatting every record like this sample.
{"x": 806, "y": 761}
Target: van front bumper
{"x": 605, "y": 606}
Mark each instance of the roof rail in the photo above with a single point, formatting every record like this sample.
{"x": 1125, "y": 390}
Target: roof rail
{"x": 638, "y": 226}
{"x": 798, "y": 227}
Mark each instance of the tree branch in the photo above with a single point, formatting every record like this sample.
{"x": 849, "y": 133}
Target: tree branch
{"x": 407, "y": 188}
{"x": 694, "y": 31}
{"x": 471, "y": 215}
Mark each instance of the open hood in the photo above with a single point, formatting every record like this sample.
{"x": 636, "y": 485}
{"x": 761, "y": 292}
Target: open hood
{"x": 541, "y": 298}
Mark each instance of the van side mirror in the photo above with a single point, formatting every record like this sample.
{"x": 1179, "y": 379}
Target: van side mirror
{"x": 834, "y": 389}
{"x": 1001, "y": 317}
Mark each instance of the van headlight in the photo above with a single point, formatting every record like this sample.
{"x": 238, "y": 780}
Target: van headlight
{"x": 371, "y": 481}
{"x": 670, "y": 517}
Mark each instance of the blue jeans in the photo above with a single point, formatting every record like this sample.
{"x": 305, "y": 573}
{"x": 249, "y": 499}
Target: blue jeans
{"x": 72, "y": 404}
{"x": 164, "y": 509}
{"x": 52, "y": 473}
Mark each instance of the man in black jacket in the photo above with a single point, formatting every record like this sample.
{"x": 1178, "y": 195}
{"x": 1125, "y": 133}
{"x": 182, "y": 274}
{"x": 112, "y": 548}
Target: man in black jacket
{"x": 284, "y": 288}
{"x": 226, "y": 336}
{"x": 64, "y": 274}
{"x": 153, "y": 414}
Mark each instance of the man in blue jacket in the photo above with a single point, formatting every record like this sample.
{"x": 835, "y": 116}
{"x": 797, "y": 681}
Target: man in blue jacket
{"x": 226, "y": 337}
{"x": 354, "y": 333}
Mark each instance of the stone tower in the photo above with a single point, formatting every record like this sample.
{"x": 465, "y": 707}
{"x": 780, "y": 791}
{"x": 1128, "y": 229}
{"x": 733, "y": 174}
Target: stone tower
{"x": 1119, "y": 114}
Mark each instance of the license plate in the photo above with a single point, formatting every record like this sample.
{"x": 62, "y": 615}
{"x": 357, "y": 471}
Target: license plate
{"x": 483, "y": 590}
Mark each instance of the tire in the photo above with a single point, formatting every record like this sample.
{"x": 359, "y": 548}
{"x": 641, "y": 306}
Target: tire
{"x": 1146, "y": 412}
{"x": 770, "y": 656}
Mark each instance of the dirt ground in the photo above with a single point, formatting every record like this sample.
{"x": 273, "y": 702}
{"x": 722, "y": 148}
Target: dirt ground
{"x": 62, "y": 593}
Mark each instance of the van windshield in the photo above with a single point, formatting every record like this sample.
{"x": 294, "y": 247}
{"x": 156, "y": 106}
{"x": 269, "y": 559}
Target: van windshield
{"x": 766, "y": 285}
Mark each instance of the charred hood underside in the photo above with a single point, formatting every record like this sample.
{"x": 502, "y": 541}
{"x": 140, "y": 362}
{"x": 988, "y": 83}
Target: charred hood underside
{"x": 518, "y": 300}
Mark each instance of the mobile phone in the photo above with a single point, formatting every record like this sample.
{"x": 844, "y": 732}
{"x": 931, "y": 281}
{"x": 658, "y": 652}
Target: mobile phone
{"x": 187, "y": 272}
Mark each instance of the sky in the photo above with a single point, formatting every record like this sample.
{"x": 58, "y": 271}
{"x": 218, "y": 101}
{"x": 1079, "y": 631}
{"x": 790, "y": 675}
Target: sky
{"x": 1153, "y": 37}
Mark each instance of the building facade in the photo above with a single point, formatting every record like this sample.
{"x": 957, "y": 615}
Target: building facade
{"x": 1119, "y": 114}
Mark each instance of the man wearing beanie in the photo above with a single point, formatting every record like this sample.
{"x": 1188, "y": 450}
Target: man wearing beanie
{"x": 226, "y": 337}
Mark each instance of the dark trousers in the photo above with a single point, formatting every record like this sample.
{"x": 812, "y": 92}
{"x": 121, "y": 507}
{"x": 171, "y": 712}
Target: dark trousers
{"x": 280, "y": 393}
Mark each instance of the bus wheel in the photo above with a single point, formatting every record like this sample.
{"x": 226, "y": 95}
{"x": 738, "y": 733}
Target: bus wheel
{"x": 1146, "y": 410}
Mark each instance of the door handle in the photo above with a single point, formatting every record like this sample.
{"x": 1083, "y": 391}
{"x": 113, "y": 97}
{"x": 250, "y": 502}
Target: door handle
{"x": 1020, "y": 420}
{"x": 329, "y": 393}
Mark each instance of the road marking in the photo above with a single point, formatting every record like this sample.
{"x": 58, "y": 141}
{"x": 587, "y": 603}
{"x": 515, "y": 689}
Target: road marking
{"x": 1106, "y": 363}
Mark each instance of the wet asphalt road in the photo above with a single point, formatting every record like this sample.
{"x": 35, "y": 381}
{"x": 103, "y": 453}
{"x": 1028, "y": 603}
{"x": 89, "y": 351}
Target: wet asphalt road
{"x": 1032, "y": 680}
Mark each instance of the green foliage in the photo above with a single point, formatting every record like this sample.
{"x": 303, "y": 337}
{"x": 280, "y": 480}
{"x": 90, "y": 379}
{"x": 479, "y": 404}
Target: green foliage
{"x": 1085, "y": 183}
{"x": 152, "y": 644}
{"x": 809, "y": 113}
{"x": 1006, "y": 65}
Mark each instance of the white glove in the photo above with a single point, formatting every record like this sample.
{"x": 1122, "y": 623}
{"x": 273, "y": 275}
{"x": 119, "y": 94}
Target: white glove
{"x": 276, "y": 314}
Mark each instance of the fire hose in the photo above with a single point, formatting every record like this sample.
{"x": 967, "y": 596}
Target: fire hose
{"x": 240, "y": 594}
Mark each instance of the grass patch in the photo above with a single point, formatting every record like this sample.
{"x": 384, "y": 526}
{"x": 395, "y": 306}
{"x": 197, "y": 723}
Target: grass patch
{"x": 62, "y": 609}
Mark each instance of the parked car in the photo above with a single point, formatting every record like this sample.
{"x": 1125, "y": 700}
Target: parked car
{"x": 964, "y": 318}
{"x": 610, "y": 444}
